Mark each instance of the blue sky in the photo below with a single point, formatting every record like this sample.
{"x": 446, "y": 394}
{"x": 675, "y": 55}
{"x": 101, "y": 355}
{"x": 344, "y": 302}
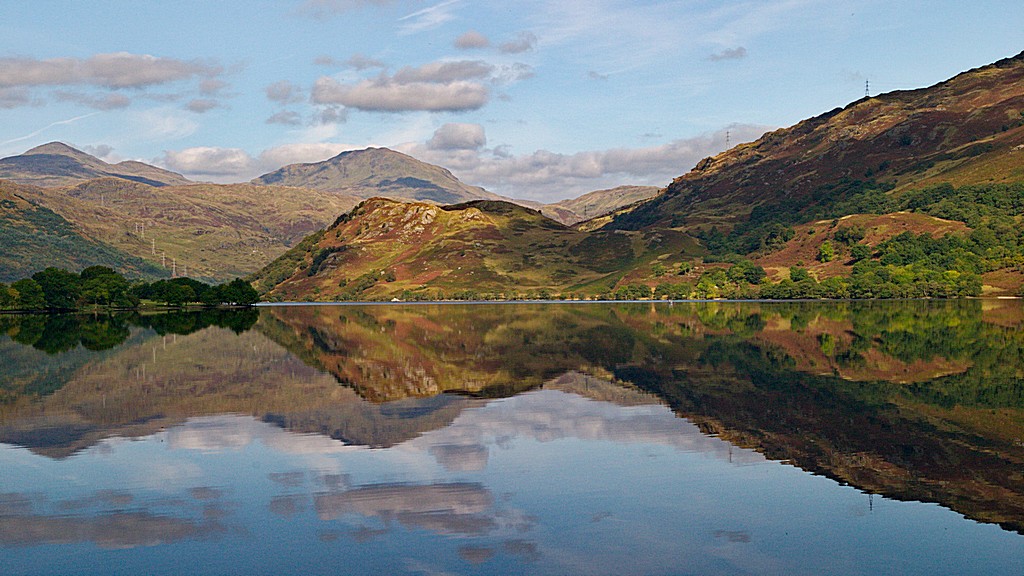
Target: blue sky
{"x": 532, "y": 99}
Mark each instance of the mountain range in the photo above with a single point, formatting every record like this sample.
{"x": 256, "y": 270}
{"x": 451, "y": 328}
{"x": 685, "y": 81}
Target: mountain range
{"x": 944, "y": 165}
{"x": 150, "y": 223}
{"x": 922, "y": 186}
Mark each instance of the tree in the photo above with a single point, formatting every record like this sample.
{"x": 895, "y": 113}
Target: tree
{"x": 60, "y": 288}
{"x": 30, "y": 294}
{"x": 239, "y": 292}
{"x": 797, "y": 273}
{"x": 8, "y": 296}
{"x": 104, "y": 286}
{"x": 826, "y": 252}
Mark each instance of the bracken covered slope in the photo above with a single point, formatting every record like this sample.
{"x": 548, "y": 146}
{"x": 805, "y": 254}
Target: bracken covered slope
{"x": 966, "y": 130}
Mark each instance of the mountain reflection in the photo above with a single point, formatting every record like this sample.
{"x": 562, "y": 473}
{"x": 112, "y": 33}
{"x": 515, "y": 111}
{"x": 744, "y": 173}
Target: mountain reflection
{"x": 920, "y": 400}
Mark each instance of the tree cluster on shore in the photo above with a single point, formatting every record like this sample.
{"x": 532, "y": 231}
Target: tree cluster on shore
{"x": 57, "y": 289}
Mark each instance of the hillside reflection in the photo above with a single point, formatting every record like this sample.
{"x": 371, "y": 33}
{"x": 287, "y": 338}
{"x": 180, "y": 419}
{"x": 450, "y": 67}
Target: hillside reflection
{"x": 915, "y": 400}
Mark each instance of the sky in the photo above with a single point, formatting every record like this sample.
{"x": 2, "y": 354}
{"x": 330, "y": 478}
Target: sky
{"x": 533, "y": 99}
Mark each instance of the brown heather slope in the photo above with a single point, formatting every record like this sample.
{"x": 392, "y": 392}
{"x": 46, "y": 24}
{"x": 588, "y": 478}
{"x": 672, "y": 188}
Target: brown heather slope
{"x": 57, "y": 164}
{"x": 386, "y": 249}
{"x": 966, "y": 130}
{"x": 213, "y": 231}
{"x": 802, "y": 250}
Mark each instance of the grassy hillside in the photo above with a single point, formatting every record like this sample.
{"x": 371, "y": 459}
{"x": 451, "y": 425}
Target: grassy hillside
{"x": 33, "y": 237}
{"x": 213, "y": 232}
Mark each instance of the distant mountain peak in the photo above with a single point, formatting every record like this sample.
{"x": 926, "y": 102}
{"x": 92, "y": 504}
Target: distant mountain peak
{"x": 57, "y": 148}
{"x": 379, "y": 172}
{"x": 56, "y": 164}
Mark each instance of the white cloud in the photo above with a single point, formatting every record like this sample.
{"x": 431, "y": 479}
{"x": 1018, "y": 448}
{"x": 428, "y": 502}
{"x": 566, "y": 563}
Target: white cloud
{"x": 444, "y": 72}
{"x": 384, "y": 94}
{"x": 285, "y": 117}
{"x": 471, "y": 40}
{"x": 201, "y": 105}
{"x": 208, "y": 161}
{"x": 524, "y": 42}
{"x": 116, "y": 70}
{"x": 284, "y": 92}
{"x": 361, "y": 62}
{"x": 99, "y": 102}
{"x": 548, "y": 176}
{"x": 458, "y": 137}
{"x": 237, "y": 165}
{"x": 737, "y": 53}
{"x": 274, "y": 158}
{"x": 443, "y": 86}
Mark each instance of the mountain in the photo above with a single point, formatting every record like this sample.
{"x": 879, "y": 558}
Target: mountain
{"x": 597, "y": 203}
{"x": 966, "y": 130}
{"x": 33, "y": 237}
{"x": 214, "y": 232}
{"x": 378, "y": 172}
{"x": 385, "y": 248}
{"x": 57, "y": 164}
{"x": 941, "y": 164}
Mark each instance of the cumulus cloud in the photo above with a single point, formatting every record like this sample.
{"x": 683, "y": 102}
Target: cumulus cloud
{"x": 447, "y": 86}
{"x": 14, "y": 97}
{"x": 274, "y": 158}
{"x": 385, "y": 94}
{"x": 285, "y": 117}
{"x": 99, "y": 102}
{"x": 458, "y": 137}
{"x": 237, "y": 165}
{"x": 284, "y": 92}
{"x": 729, "y": 54}
{"x": 361, "y": 62}
{"x": 330, "y": 115}
{"x": 211, "y": 86}
{"x": 209, "y": 161}
{"x": 471, "y": 40}
{"x": 99, "y": 150}
{"x": 116, "y": 70}
{"x": 201, "y": 105}
{"x": 549, "y": 176}
{"x": 444, "y": 71}
{"x": 524, "y": 42}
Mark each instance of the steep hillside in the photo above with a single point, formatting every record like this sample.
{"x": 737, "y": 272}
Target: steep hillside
{"x": 378, "y": 172}
{"x": 385, "y": 248}
{"x": 966, "y": 130}
{"x": 597, "y": 203}
{"x": 57, "y": 164}
{"x": 209, "y": 231}
{"x": 33, "y": 237}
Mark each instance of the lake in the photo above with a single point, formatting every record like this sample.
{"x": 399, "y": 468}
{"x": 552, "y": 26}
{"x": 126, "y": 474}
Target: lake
{"x": 576, "y": 438}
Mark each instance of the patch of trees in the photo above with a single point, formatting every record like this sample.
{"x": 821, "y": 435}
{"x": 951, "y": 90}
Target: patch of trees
{"x": 56, "y": 289}
{"x": 56, "y": 333}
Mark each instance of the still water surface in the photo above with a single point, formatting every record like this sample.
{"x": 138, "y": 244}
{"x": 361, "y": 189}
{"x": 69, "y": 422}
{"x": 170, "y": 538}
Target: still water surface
{"x": 711, "y": 438}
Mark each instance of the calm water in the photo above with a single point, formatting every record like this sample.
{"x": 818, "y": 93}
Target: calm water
{"x": 721, "y": 438}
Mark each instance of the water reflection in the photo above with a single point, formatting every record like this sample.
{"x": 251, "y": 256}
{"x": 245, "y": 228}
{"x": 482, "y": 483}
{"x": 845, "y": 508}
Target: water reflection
{"x": 440, "y": 438}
